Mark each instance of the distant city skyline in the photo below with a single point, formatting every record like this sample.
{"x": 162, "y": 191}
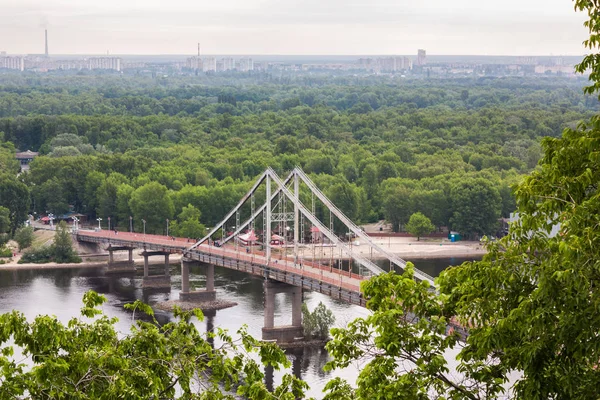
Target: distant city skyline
{"x": 294, "y": 27}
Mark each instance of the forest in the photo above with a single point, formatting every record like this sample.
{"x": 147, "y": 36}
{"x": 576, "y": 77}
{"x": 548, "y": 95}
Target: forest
{"x": 188, "y": 148}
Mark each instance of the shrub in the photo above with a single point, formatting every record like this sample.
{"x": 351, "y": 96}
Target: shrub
{"x": 317, "y": 323}
{"x": 38, "y": 255}
{"x": 24, "y": 237}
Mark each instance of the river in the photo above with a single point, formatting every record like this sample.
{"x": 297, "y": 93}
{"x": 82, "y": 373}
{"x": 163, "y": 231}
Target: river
{"x": 59, "y": 292}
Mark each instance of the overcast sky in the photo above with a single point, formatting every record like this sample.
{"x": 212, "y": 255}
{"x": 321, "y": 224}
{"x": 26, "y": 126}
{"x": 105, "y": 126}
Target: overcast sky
{"x": 462, "y": 27}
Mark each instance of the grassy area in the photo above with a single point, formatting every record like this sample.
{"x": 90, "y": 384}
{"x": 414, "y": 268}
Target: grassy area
{"x": 42, "y": 237}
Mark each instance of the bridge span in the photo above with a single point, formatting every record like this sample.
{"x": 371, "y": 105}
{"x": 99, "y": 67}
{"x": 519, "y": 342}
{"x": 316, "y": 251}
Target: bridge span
{"x": 310, "y": 275}
{"x": 266, "y": 234}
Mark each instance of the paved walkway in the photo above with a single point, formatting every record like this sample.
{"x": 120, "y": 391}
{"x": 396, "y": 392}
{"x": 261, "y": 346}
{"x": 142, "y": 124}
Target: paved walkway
{"x": 309, "y": 269}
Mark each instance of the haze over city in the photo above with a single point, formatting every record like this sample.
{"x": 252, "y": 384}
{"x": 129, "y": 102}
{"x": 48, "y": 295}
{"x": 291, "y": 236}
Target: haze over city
{"x": 511, "y": 27}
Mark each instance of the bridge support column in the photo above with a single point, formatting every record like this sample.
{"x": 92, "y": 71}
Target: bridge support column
{"x": 197, "y": 295}
{"x": 296, "y": 306}
{"x": 210, "y": 278}
{"x": 160, "y": 281}
{"x": 285, "y": 333}
{"x": 119, "y": 266}
{"x": 146, "y": 266}
{"x": 167, "y": 268}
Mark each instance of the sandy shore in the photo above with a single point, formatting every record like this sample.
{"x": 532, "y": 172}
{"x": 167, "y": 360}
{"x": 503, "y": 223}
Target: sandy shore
{"x": 407, "y": 248}
{"x": 86, "y": 263}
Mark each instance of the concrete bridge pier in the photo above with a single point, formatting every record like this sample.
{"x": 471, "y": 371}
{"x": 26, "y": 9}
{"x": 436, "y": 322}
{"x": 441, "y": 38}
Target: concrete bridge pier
{"x": 197, "y": 295}
{"x": 160, "y": 280}
{"x": 120, "y": 266}
{"x": 285, "y": 333}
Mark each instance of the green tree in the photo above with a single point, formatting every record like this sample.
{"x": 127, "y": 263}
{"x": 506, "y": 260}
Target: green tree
{"x": 419, "y": 225}
{"x": 14, "y": 195}
{"x": 62, "y": 248}
{"x": 24, "y": 237}
{"x": 396, "y": 205}
{"x": 88, "y": 359}
{"x": 476, "y": 206}
{"x": 532, "y": 302}
{"x": 124, "y": 192}
{"x": 402, "y": 347}
{"x": 93, "y": 181}
{"x": 152, "y": 203}
{"x": 188, "y": 223}
{"x": 318, "y": 322}
{"x": 4, "y": 225}
{"x": 51, "y": 197}
{"x": 107, "y": 198}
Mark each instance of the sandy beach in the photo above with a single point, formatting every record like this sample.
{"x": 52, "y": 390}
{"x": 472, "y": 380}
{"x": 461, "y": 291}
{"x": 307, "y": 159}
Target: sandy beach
{"x": 408, "y": 248}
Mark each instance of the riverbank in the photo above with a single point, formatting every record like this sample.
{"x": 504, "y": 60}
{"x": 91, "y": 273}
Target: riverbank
{"x": 14, "y": 265}
{"x": 408, "y": 248}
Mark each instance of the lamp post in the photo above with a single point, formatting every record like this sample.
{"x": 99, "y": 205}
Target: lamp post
{"x": 167, "y": 226}
{"x": 99, "y": 226}
{"x": 130, "y": 224}
{"x": 51, "y": 218}
{"x": 75, "y": 222}
{"x": 108, "y": 223}
{"x": 144, "y": 221}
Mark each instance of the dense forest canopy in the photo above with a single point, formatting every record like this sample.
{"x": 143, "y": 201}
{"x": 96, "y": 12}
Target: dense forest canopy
{"x": 380, "y": 147}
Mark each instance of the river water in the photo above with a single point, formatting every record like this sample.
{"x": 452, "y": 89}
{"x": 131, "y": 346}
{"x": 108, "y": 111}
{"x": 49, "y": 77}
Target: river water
{"x": 59, "y": 292}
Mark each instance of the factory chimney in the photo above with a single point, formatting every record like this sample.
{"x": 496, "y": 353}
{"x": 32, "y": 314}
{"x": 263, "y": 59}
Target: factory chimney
{"x": 46, "y": 31}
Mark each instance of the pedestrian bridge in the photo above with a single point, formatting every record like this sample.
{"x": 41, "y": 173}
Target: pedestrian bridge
{"x": 268, "y": 234}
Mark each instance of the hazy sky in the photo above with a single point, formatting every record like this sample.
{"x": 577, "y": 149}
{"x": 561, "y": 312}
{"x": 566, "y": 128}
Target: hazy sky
{"x": 487, "y": 27}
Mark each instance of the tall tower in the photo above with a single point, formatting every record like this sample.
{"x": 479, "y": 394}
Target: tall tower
{"x": 198, "y": 49}
{"x": 46, "y": 32}
{"x": 421, "y": 57}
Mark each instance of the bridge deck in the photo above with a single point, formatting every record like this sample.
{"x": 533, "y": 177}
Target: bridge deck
{"x": 309, "y": 275}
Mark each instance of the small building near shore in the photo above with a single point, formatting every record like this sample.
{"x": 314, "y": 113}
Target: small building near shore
{"x": 25, "y": 158}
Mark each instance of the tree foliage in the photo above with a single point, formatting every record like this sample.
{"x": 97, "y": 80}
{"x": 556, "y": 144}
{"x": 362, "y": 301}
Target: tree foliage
{"x": 62, "y": 248}
{"x": 151, "y": 203}
{"x": 419, "y": 225}
{"x": 14, "y": 195}
{"x": 403, "y": 347}
{"x": 318, "y": 322}
{"x": 476, "y": 206}
{"x": 87, "y": 359}
{"x": 24, "y": 237}
{"x": 4, "y": 225}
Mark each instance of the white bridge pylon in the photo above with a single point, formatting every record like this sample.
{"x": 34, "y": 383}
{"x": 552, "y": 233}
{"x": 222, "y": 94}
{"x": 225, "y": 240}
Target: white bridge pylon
{"x": 274, "y": 210}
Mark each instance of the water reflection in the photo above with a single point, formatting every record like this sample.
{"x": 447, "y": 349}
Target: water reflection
{"x": 59, "y": 292}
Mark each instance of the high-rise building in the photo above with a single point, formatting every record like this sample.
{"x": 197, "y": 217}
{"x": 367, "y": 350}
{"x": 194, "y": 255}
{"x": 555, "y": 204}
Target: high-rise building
{"x": 105, "y": 63}
{"x": 228, "y": 64}
{"x": 246, "y": 64}
{"x": 209, "y": 64}
{"x": 421, "y": 57}
{"x": 194, "y": 63}
{"x": 46, "y": 37}
{"x": 12, "y": 62}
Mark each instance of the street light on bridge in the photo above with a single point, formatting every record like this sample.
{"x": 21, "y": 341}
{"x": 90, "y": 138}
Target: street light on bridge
{"x": 108, "y": 223}
{"x": 75, "y": 221}
{"x": 130, "y": 224}
{"x": 51, "y": 218}
{"x": 167, "y": 226}
{"x": 99, "y": 226}
{"x": 144, "y": 221}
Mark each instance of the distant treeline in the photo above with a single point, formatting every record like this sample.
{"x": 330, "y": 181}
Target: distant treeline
{"x": 379, "y": 147}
